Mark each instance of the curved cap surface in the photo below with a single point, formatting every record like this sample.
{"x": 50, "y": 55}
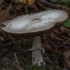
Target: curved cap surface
{"x": 34, "y": 23}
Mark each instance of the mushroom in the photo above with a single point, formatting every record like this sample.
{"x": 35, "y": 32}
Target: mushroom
{"x": 35, "y": 25}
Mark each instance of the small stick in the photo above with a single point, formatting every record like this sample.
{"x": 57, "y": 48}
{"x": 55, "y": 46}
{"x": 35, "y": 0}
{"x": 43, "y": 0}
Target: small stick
{"x": 18, "y": 65}
{"x": 41, "y": 5}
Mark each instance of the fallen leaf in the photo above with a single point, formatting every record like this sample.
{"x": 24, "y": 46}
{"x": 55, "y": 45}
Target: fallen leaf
{"x": 57, "y": 31}
{"x": 60, "y": 30}
{"x": 47, "y": 48}
{"x": 4, "y": 15}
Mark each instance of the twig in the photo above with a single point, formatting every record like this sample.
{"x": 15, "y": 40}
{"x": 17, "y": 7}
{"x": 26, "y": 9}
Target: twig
{"x": 41, "y": 5}
{"x": 45, "y": 2}
{"x": 18, "y": 65}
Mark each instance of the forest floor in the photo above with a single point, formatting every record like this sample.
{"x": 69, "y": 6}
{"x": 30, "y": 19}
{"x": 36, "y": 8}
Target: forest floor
{"x": 14, "y": 53}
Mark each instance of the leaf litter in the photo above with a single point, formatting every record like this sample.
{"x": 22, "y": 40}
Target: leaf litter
{"x": 14, "y": 53}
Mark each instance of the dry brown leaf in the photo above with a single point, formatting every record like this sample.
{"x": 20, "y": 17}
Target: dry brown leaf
{"x": 60, "y": 30}
{"x": 29, "y": 1}
{"x": 49, "y": 49}
{"x": 4, "y": 16}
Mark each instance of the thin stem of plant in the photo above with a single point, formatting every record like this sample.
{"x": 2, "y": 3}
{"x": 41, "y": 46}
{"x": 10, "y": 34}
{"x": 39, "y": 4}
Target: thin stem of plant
{"x": 26, "y": 7}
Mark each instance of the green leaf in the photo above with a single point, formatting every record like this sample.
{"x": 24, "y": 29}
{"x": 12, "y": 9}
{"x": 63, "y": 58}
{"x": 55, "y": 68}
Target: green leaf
{"x": 66, "y": 3}
{"x": 1, "y": 2}
{"x": 49, "y": 8}
{"x": 54, "y": 0}
{"x": 65, "y": 0}
{"x": 60, "y": 0}
{"x": 67, "y": 23}
{"x": 59, "y": 68}
{"x": 35, "y": 67}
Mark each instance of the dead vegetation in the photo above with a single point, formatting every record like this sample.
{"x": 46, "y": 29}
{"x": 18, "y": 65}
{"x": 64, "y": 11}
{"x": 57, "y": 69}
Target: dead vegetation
{"x": 14, "y": 53}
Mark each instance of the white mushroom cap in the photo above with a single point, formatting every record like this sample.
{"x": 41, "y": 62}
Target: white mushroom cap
{"x": 35, "y": 22}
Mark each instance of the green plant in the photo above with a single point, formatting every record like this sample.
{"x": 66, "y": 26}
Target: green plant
{"x": 65, "y": 2}
{"x": 67, "y": 23}
{"x": 1, "y": 2}
{"x": 35, "y": 67}
{"x": 59, "y": 68}
{"x": 60, "y": 0}
{"x": 1, "y": 42}
{"x": 53, "y": 57}
{"x": 49, "y": 8}
{"x": 11, "y": 67}
{"x": 26, "y": 7}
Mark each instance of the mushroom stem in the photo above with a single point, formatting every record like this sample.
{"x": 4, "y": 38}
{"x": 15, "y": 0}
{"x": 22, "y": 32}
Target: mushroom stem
{"x": 36, "y": 53}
